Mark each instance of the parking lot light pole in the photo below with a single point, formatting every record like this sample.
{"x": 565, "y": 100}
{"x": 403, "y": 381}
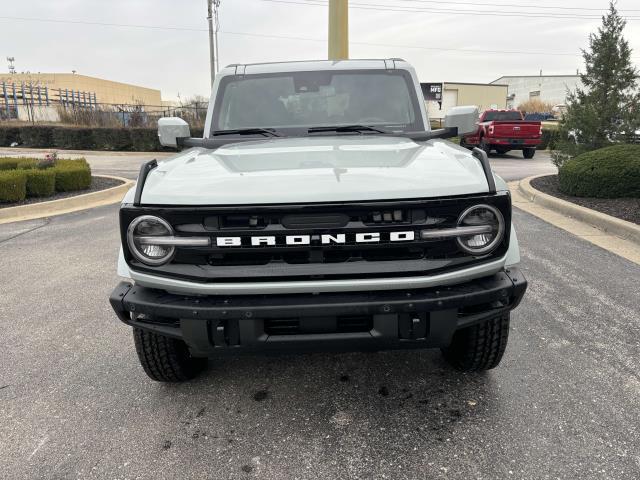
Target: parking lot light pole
{"x": 338, "y": 29}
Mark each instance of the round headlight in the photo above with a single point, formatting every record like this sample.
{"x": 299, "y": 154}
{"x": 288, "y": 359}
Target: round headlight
{"x": 481, "y": 216}
{"x": 140, "y": 238}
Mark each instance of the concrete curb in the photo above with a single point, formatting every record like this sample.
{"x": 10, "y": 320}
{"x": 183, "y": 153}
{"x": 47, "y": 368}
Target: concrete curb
{"x": 67, "y": 205}
{"x": 615, "y": 226}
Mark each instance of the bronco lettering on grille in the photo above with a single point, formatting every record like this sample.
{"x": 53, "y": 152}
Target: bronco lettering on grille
{"x": 324, "y": 239}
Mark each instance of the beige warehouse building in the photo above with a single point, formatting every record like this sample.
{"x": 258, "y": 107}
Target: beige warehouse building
{"x": 453, "y": 94}
{"x": 104, "y": 91}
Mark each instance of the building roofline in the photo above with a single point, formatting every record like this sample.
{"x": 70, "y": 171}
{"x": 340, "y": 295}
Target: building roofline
{"x": 69, "y": 74}
{"x": 470, "y": 83}
{"x": 479, "y": 84}
{"x": 534, "y": 76}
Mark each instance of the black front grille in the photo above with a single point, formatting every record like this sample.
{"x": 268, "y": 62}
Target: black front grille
{"x": 317, "y": 325}
{"x": 317, "y": 259}
{"x": 282, "y": 326}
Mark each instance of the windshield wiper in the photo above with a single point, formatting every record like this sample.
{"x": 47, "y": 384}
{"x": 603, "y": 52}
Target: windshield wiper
{"x": 348, "y": 128}
{"x": 268, "y": 132}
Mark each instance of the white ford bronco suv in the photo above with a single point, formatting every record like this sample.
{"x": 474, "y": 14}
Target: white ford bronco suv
{"x": 318, "y": 212}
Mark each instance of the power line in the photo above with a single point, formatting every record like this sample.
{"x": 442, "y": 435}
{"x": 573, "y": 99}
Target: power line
{"x": 419, "y": 47}
{"x": 410, "y": 9}
{"x": 517, "y": 5}
{"x": 432, "y": 11}
{"x": 175, "y": 28}
{"x": 104, "y": 24}
{"x": 501, "y": 5}
{"x": 289, "y": 37}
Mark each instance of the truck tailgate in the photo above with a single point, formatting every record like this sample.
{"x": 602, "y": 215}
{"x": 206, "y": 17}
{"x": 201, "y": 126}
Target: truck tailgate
{"x": 511, "y": 129}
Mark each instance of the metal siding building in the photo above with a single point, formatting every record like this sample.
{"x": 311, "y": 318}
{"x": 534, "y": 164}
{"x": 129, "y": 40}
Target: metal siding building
{"x": 454, "y": 94}
{"x": 548, "y": 88}
{"x": 106, "y": 91}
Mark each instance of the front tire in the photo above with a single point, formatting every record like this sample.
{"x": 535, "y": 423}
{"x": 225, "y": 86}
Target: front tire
{"x": 479, "y": 347}
{"x": 166, "y": 359}
{"x": 528, "y": 153}
{"x": 485, "y": 146}
{"x": 465, "y": 144}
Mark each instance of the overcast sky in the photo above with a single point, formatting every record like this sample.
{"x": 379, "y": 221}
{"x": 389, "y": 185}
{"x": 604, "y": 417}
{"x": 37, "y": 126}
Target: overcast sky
{"x": 176, "y": 61}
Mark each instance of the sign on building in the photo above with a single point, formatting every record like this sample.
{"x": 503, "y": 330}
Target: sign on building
{"x": 432, "y": 92}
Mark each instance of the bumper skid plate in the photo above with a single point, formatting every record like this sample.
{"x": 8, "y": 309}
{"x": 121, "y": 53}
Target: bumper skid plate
{"x": 380, "y": 320}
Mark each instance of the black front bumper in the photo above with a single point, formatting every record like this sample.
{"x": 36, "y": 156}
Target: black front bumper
{"x": 376, "y": 320}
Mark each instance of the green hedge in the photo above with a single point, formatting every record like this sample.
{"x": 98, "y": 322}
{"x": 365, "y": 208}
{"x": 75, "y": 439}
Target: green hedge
{"x": 84, "y": 138}
{"x": 70, "y": 178}
{"x": 41, "y": 183}
{"x": 71, "y": 138}
{"x": 30, "y": 177}
{"x": 145, "y": 139}
{"x": 13, "y": 185}
{"x": 9, "y": 135}
{"x": 611, "y": 172}
{"x": 8, "y": 163}
{"x": 27, "y": 163}
{"x": 112, "y": 139}
{"x": 22, "y": 163}
{"x": 35, "y": 136}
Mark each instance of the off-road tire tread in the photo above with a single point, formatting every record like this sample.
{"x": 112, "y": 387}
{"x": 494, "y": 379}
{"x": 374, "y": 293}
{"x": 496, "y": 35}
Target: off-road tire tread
{"x": 479, "y": 347}
{"x": 485, "y": 146}
{"x": 165, "y": 359}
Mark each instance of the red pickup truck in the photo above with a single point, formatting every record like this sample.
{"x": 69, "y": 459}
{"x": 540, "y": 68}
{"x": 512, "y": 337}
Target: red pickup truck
{"x": 504, "y": 130}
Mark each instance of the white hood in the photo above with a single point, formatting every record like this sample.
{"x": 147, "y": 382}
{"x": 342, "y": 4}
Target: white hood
{"x": 315, "y": 169}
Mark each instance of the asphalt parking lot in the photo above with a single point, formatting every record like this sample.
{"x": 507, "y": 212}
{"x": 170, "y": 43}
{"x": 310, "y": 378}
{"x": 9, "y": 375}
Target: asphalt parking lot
{"x": 74, "y": 402}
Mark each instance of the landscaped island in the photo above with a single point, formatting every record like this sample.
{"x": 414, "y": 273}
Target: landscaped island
{"x": 607, "y": 180}
{"x": 22, "y": 178}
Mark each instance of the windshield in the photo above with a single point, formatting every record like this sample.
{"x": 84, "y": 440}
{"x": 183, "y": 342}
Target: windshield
{"x": 303, "y": 100}
{"x": 502, "y": 116}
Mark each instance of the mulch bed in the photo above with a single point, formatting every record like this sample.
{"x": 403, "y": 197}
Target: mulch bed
{"x": 97, "y": 184}
{"x": 624, "y": 208}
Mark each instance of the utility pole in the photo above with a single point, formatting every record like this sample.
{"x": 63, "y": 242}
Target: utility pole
{"x": 212, "y": 18}
{"x": 216, "y": 22}
{"x": 338, "y": 29}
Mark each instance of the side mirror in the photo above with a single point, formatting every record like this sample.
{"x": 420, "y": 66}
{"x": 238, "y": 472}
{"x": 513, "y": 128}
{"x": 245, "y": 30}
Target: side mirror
{"x": 463, "y": 118}
{"x": 170, "y": 129}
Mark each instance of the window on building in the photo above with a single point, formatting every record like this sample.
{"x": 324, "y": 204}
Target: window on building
{"x": 534, "y": 94}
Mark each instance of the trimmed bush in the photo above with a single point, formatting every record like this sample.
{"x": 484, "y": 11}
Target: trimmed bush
{"x": 112, "y": 139}
{"x": 141, "y": 139}
{"x": 72, "y": 175}
{"x": 8, "y": 163}
{"x": 41, "y": 183}
{"x": 21, "y": 163}
{"x": 610, "y": 172}
{"x": 13, "y": 185}
{"x": 73, "y": 138}
{"x": 37, "y": 136}
{"x": 9, "y": 135}
{"x": 145, "y": 140}
{"x": 77, "y": 163}
{"x": 27, "y": 163}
